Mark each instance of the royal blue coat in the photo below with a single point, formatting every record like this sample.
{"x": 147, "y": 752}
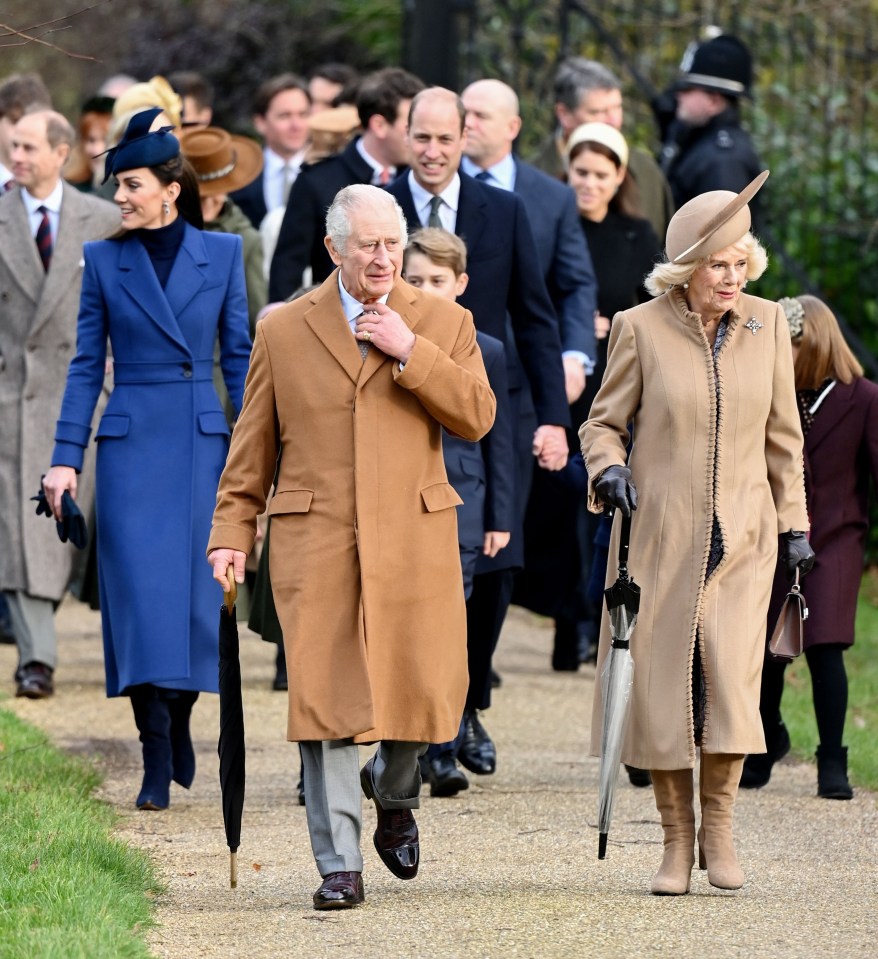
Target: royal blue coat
{"x": 162, "y": 443}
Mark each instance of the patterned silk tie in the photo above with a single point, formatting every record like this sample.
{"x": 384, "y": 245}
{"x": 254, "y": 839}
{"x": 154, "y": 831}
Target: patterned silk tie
{"x": 434, "y": 219}
{"x": 44, "y": 238}
{"x": 363, "y": 344}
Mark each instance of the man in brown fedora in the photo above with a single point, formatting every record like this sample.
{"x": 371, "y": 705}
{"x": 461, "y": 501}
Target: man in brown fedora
{"x": 223, "y": 163}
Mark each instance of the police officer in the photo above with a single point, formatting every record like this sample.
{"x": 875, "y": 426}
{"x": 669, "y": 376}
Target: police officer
{"x": 705, "y": 147}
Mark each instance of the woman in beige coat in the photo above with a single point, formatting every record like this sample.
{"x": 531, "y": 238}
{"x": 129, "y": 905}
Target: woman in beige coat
{"x": 704, "y": 373}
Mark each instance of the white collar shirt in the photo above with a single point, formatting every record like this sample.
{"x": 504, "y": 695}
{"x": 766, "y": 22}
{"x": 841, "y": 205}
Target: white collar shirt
{"x": 501, "y": 174}
{"x": 52, "y": 203}
{"x": 422, "y": 199}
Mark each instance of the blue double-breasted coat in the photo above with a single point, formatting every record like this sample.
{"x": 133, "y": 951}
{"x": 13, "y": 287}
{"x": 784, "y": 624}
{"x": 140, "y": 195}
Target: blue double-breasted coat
{"x": 162, "y": 443}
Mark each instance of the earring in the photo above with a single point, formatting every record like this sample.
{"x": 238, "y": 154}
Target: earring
{"x": 167, "y": 208}
{"x": 686, "y": 285}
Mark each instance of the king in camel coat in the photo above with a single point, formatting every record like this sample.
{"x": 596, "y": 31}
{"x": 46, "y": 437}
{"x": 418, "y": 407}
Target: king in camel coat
{"x": 364, "y": 553}
{"x": 687, "y": 463}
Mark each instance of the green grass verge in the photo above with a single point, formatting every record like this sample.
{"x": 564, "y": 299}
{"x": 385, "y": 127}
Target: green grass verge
{"x": 861, "y": 727}
{"x": 68, "y": 888}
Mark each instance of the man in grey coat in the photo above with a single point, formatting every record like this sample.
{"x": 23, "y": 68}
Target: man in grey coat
{"x": 44, "y": 223}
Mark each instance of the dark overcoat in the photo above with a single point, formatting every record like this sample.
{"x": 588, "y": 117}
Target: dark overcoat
{"x": 841, "y": 457}
{"x": 162, "y": 443}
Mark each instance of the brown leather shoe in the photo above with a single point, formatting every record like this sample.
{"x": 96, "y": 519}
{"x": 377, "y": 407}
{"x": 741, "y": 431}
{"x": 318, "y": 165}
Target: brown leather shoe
{"x": 396, "y": 838}
{"x": 340, "y": 890}
{"x": 35, "y": 681}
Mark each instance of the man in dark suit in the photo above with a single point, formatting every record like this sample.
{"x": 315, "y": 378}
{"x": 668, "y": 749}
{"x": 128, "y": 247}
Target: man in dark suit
{"x": 492, "y": 125}
{"x": 281, "y": 109}
{"x": 375, "y": 157}
{"x": 508, "y": 300}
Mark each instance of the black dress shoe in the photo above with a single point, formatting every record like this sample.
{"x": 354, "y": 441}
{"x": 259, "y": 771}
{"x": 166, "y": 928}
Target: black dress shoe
{"x": 35, "y": 681}
{"x": 445, "y": 778}
{"x": 396, "y": 837}
{"x": 477, "y": 751}
{"x": 340, "y": 890}
{"x": 757, "y": 767}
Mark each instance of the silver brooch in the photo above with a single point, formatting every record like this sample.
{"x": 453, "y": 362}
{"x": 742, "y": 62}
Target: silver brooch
{"x": 753, "y": 325}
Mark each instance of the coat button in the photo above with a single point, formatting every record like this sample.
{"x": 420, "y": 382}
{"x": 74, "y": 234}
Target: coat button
{"x": 187, "y": 371}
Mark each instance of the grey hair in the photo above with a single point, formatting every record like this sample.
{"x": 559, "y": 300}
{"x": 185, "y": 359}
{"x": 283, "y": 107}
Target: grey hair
{"x": 577, "y": 76}
{"x": 666, "y": 274}
{"x": 351, "y": 198}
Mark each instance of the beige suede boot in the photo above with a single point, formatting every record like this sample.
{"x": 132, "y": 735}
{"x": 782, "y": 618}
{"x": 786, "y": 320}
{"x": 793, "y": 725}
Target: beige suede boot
{"x": 720, "y": 775}
{"x": 673, "y": 798}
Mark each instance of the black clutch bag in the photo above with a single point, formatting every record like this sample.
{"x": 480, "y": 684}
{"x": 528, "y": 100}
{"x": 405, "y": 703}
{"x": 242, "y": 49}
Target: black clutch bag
{"x": 787, "y": 640}
{"x": 72, "y": 524}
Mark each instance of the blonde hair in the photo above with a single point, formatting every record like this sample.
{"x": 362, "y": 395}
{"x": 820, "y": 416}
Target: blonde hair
{"x": 666, "y": 274}
{"x": 439, "y": 247}
{"x": 823, "y": 352}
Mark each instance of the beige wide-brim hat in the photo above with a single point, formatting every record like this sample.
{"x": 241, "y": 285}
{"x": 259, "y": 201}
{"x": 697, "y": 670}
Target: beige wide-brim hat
{"x": 710, "y": 222}
{"x": 222, "y": 162}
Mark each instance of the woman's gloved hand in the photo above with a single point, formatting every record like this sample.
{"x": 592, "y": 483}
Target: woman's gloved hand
{"x": 614, "y": 488}
{"x": 796, "y": 553}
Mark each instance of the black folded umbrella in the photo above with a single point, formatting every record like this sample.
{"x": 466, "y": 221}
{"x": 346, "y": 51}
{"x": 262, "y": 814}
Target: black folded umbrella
{"x": 72, "y": 524}
{"x": 231, "y": 738}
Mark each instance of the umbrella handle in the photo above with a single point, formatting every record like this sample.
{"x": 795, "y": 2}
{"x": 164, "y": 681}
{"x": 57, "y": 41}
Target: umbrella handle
{"x": 230, "y": 596}
{"x": 624, "y": 540}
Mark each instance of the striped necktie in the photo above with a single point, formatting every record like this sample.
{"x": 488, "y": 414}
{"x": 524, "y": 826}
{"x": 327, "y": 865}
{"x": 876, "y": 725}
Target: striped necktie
{"x": 363, "y": 344}
{"x": 44, "y": 238}
{"x": 434, "y": 218}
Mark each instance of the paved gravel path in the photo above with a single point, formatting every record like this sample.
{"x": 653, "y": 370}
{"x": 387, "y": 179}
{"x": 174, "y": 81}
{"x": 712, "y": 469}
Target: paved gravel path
{"x": 509, "y": 868}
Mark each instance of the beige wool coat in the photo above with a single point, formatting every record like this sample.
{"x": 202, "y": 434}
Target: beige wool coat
{"x": 747, "y": 470}
{"x": 364, "y": 557}
{"x": 38, "y": 312}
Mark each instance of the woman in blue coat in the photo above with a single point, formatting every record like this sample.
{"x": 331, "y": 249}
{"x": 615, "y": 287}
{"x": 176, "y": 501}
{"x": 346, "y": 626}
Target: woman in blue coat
{"x": 162, "y": 292}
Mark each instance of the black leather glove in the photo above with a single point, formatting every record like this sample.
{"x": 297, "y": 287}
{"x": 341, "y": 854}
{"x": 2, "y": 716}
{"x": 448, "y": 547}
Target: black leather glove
{"x": 614, "y": 488}
{"x": 796, "y": 553}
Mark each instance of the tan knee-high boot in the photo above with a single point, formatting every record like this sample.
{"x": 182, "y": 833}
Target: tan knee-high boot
{"x": 673, "y": 798}
{"x": 720, "y": 775}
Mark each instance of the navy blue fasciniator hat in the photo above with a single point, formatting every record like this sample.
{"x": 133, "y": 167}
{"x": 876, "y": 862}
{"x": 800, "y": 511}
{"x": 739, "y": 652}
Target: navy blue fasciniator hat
{"x": 138, "y": 147}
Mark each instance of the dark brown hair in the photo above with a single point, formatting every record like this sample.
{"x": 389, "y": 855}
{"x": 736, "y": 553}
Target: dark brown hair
{"x": 627, "y": 198}
{"x": 823, "y": 352}
{"x": 178, "y": 170}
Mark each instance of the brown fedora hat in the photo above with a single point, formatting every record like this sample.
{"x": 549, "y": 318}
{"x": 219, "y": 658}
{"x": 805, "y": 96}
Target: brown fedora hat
{"x": 710, "y": 222}
{"x": 222, "y": 162}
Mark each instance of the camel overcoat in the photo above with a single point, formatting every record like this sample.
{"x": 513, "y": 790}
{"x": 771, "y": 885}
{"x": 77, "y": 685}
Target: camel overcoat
{"x": 364, "y": 559}
{"x": 694, "y": 456}
{"x": 38, "y": 313}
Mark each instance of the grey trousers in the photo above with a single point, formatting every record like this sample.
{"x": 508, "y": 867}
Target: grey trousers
{"x": 33, "y": 624}
{"x": 333, "y": 796}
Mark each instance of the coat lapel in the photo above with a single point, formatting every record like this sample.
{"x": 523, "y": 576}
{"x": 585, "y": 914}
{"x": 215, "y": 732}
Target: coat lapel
{"x": 471, "y": 214}
{"x": 20, "y": 255}
{"x": 188, "y": 272}
{"x": 142, "y": 285}
{"x": 326, "y": 319}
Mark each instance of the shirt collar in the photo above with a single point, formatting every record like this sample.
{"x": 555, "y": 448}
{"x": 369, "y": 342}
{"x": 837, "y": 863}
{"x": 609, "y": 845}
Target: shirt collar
{"x": 352, "y": 308}
{"x": 421, "y": 197}
{"x": 275, "y": 163}
{"x": 501, "y": 174}
{"x": 52, "y": 202}
{"x": 377, "y": 167}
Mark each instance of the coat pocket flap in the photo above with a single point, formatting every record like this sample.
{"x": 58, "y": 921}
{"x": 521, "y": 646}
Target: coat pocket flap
{"x": 113, "y": 424}
{"x": 440, "y": 496}
{"x": 290, "y": 501}
{"x": 213, "y": 421}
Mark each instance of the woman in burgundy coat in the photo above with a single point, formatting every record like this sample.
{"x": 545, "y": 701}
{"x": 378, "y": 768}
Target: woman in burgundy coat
{"x": 839, "y": 412}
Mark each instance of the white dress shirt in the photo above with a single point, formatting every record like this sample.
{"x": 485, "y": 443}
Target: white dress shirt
{"x": 501, "y": 175}
{"x": 377, "y": 168}
{"x": 450, "y": 202}
{"x": 274, "y": 178}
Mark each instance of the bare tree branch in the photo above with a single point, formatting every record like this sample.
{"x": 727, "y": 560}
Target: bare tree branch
{"x": 28, "y": 34}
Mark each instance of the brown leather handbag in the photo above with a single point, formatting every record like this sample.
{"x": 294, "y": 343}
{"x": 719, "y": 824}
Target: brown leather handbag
{"x": 787, "y": 640}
